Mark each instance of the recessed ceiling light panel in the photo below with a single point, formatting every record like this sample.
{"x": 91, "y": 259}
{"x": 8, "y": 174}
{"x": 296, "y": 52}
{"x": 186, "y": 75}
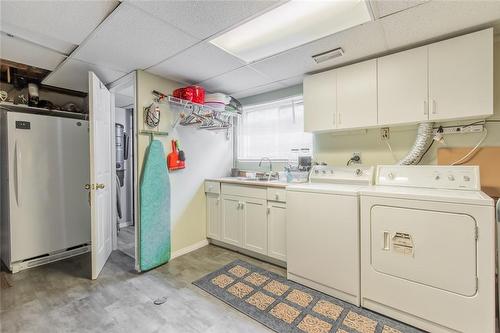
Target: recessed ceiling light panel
{"x": 292, "y": 24}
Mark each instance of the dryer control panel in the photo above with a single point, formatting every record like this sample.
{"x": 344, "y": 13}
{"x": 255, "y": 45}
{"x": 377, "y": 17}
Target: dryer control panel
{"x": 429, "y": 176}
{"x": 342, "y": 175}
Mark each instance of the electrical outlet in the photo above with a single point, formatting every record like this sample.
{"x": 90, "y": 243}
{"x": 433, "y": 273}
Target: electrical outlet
{"x": 385, "y": 133}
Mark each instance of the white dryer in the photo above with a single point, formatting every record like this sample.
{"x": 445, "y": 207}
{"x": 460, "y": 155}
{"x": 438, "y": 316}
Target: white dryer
{"x": 428, "y": 248}
{"x": 323, "y": 230}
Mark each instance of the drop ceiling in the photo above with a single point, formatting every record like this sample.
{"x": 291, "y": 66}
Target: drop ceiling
{"x": 171, "y": 39}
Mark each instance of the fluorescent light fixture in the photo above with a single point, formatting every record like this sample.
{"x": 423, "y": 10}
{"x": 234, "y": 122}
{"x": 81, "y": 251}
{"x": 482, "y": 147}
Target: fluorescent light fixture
{"x": 292, "y": 24}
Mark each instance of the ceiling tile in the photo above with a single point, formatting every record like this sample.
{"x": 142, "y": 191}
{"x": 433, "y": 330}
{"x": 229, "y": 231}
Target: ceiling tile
{"x": 259, "y": 90}
{"x": 131, "y": 39}
{"x": 69, "y": 21}
{"x": 73, "y": 74}
{"x": 358, "y": 42}
{"x": 237, "y": 80}
{"x": 21, "y": 51}
{"x": 293, "y": 81}
{"x": 38, "y": 38}
{"x": 204, "y": 18}
{"x": 197, "y": 63}
{"x": 436, "y": 19}
{"x": 383, "y": 8}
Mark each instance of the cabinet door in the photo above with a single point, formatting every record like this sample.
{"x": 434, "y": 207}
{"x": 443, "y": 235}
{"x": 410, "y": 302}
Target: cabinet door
{"x": 231, "y": 220}
{"x": 357, "y": 95}
{"x": 402, "y": 87}
{"x": 255, "y": 225}
{"x": 461, "y": 77}
{"x": 276, "y": 230}
{"x": 213, "y": 216}
{"x": 320, "y": 106}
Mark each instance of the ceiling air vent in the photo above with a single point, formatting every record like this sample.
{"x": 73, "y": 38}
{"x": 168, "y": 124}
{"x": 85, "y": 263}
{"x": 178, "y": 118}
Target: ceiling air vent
{"x": 322, "y": 57}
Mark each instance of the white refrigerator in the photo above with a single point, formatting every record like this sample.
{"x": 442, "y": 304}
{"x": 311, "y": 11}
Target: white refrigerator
{"x": 45, "y": 213}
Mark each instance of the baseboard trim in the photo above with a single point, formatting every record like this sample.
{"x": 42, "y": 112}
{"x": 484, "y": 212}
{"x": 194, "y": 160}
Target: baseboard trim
{"x": 189, "y": 248}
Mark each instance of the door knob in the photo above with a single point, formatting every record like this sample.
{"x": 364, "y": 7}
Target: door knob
{"x": 99, "y": 186}
{"x": 87, "y": 186}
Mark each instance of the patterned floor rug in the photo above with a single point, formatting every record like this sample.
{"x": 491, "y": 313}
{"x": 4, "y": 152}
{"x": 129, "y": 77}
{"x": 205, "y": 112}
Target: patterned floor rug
{"x": 286, "y": 306}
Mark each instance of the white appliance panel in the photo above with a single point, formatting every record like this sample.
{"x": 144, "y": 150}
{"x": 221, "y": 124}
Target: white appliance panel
{"x": 322, "y": 242}
{"x": 435, "y": 249}
{"x": 48, "y": 169}
{"x": 422, "y": 305}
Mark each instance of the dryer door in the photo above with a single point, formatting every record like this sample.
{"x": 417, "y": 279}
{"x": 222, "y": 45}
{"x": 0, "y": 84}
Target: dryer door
{"x": 411, "y": 243}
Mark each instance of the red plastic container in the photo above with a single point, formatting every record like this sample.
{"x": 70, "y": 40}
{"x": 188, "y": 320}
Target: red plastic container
{"x": 195, "y": 94}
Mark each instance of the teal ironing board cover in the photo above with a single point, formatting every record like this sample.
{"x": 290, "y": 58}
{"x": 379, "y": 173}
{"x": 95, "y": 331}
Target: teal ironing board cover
{"x": 154, "y": 229}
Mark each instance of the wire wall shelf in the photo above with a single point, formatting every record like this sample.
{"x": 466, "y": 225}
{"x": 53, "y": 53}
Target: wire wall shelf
{"x": 200, "y": 115}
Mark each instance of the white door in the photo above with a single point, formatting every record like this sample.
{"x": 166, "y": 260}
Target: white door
{"x": 461, "y": 76}
{"x": 213, "y": 216}
{"x": 100, "y": 125}
{"x": 231, "y": 220}
{"x": 320, "y": 106}
{"x": 276, "y": 230}
{"x": 357, "y": 95}
{"x": 254, "y": 215}
{"x": 402, "y": 87}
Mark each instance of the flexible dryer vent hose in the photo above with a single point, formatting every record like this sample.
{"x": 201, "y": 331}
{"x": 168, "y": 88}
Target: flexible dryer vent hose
{"x": 423, "y": 140}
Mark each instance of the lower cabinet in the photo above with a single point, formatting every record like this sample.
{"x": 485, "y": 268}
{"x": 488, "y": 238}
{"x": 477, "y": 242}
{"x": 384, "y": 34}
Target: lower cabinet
{"x": 276, "y": 230}
{"x": 254, "y": 221}
{"x": 231, "y": 220}
{"x": 214, "y": 227}
{"x": 243, "y": 217}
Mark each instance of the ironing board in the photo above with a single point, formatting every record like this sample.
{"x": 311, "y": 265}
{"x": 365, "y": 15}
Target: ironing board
{"x": 154, "y": 240}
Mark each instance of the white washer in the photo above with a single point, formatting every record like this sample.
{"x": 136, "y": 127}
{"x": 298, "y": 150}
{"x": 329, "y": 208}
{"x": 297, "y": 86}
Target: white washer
{"x": 323, "y": 230}
{"x": 428, "y": 248}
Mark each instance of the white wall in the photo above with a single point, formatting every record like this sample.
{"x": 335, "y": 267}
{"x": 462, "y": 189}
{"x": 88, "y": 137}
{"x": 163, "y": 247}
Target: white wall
{"x": 337, "y": 148}
{"x": 208, "y": 155}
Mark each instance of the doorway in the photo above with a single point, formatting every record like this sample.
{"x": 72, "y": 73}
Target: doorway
{"x": 124, "y": 226}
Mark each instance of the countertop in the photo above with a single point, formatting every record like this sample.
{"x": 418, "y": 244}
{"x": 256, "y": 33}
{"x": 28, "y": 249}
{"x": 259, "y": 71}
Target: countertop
{"x": 235, "y": 180}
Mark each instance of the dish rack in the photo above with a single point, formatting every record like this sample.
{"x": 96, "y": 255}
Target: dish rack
{"x": 194, "y": 114}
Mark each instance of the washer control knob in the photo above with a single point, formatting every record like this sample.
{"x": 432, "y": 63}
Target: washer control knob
{"x": 451, "y": 178}
{"x": 390, "y": 175}
{"x": 316, "y": 171}
{"x": 437, "y": 177}
{"x": 467, "y": 178}
{"x": 324, "y": 171}
{"x": 358, "y": 172}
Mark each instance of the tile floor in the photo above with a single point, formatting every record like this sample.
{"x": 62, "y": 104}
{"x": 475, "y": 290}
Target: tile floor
{"x": 59, "y": 297}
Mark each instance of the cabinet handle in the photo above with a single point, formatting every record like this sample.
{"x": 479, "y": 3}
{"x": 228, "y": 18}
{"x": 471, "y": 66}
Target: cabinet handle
{"x": 434, "y": 106}
{"x": 268, "y": 210}
{"x": 426, "y": 109}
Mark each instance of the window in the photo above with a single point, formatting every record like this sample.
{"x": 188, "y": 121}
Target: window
{"x": 274, "y": 130}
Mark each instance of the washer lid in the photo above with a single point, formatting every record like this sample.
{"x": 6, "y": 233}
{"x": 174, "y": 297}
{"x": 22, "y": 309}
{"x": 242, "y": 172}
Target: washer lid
{"x": 341, "y": 189}
{"x": 451, "y": 196}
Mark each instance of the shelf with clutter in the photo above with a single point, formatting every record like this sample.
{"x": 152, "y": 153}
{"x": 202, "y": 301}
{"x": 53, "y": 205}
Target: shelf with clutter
{"x": 195, "y": 108}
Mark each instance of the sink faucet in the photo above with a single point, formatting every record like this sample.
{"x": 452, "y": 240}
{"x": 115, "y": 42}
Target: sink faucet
{"x": 270, "y": 166}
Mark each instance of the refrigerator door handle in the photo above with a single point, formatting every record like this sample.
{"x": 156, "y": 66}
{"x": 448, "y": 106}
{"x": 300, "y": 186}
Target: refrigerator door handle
{"x": 17, "y": 150}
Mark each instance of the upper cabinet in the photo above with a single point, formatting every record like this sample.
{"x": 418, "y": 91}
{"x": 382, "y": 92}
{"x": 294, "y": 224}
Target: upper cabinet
{"x": 461, "y": 77}
{"x": 448, "y": 80}
{"x": 320, "y": 101}
{"x": 357, "y": 95}
{"x": 402, "y": 87}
